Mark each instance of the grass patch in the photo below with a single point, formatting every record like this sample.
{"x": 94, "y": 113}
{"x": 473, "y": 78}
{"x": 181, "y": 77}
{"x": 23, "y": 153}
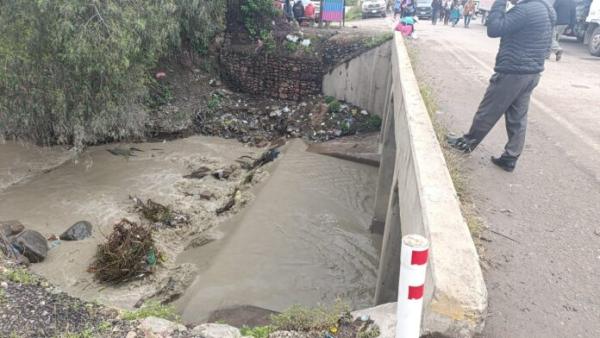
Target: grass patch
{"x": 104, "y": 326}
{"x": 329, "y": 99}
{"x": 152, "y": 309}
{"x": 214, "y": 102}
{"x": 257, "y": 332}
{"x": 20, "y": 276}
{"x": 373, "y": 122}
{"x": 303, "y": 319}
{"x": 334, "y": 106}
{"x": 453, "y": 159}
{"x": 291, "y": 47}
{"x": 371, "y": 333}
{"x": 377, "y": 40}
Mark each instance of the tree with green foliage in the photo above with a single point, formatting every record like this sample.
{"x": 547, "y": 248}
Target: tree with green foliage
{"x": 78, "y": 71}
{"x": 258, "y": 18}
{"x": 199, "y": 21}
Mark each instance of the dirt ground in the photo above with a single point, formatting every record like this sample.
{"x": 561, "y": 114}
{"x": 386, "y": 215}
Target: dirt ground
{"x": 541, "y": 252}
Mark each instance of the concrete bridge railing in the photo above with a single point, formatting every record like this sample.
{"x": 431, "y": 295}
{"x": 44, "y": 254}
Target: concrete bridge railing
{"x": 415, "y": 195}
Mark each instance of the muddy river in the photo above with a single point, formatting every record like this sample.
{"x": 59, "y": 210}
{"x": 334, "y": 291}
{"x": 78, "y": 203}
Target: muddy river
{"x": 301, "y": 237}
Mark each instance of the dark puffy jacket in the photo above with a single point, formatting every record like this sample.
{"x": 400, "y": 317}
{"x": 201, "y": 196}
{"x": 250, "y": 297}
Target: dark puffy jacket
{"x": 526, "y": 32}
{"x": 298, "y": 10}
{"x": 565, "y": 12}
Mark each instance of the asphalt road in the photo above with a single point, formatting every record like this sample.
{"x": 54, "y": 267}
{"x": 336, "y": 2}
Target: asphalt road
{"x": 542, "y": 249}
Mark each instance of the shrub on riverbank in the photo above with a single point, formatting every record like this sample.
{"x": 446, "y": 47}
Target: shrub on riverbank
{"x": 77, "y": 71}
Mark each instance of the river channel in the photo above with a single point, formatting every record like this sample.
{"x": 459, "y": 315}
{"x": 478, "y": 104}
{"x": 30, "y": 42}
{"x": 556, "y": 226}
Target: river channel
{"x": 301, "y": 238}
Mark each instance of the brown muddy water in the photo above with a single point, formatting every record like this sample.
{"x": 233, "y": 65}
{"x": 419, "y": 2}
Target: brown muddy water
{"x": 301, "y": 238}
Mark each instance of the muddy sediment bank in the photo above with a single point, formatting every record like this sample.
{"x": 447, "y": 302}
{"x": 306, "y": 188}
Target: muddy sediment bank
{"x": 97, "y": 187}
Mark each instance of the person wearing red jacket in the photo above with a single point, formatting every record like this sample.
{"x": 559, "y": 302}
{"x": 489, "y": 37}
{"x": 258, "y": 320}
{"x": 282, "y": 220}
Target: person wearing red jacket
{"x": 309, "y": 10}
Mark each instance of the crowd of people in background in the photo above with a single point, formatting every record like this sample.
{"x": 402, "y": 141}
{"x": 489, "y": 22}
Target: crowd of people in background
{"x": 448, "y": 11}
{"x": 300, "y": 11}
{"x": 451, "y": 11}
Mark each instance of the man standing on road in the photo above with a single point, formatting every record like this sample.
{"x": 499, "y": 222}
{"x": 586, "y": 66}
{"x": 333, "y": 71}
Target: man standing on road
{"x": 565, "y": 16}
{"x": 526, "y": 36}
{"x": 436, "y": 9}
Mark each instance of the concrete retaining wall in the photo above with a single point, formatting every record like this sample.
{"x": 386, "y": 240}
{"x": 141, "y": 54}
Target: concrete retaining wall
{"x": 362, "y": 81}
{"x": 422, "y": 200}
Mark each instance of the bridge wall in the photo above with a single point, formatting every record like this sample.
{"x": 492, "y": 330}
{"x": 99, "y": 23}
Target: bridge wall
{"x": 416, "y": 195}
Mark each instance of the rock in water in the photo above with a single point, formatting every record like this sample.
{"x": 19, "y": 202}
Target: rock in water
{"x": 11, "y": 228}
{"x": 78, "y": 231}
{"x": 216, "y": 331}
{"x": 32, "y": 245}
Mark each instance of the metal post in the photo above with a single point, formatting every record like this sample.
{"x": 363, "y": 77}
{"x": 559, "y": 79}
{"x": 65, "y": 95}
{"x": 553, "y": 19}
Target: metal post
{"x": 411, "y": 287}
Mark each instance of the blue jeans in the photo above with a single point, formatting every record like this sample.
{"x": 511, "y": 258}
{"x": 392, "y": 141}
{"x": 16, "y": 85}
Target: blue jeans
{"x": 467, "y": 20}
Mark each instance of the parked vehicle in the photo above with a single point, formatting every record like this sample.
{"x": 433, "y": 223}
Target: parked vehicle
{"x": 587, "y": 27}
{"x": 592, "y": 35}
{"x": 372, "y": 8}
{"x": 423, "y": 9}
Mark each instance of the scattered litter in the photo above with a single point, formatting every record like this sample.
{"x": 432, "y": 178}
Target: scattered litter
{"x": 199, "y": 173}
{"x": 305, "y": 42}
{"x": 229, "y": 204}
{"x": 292, "y": 38}
{"x": 224, "y": 173}
{"x": 54, "y": 244}
{"x": 160, "y": 215}
{"x": 125, "y": 254}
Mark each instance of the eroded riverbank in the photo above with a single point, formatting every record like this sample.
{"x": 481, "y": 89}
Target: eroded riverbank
{"x": 303, "y": 240}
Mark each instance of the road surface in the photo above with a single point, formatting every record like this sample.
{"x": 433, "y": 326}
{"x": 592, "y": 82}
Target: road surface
{"x": 543, "y": 242}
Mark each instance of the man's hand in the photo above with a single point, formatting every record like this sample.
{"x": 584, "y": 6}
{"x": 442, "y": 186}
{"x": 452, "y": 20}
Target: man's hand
{"x": 501, "y": 23}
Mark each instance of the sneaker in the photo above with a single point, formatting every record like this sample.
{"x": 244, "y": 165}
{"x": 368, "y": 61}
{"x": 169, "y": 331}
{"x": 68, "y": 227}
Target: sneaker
{"x": 559, "y": 55}
{"x": 506, "y": 164}
{"x": 461, "y": 143}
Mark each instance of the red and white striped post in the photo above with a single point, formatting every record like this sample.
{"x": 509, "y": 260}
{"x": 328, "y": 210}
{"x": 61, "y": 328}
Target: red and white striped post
{"x": 413, "y": 267}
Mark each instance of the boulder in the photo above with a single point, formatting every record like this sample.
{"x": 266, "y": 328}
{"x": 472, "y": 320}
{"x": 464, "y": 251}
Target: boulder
{"x": 77, "y": 231}
{"x": 212, "y": 330}
{"x": 11, "y": 228}
{"x": 32, "y": 245}
{"x": 159, "y": 326}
